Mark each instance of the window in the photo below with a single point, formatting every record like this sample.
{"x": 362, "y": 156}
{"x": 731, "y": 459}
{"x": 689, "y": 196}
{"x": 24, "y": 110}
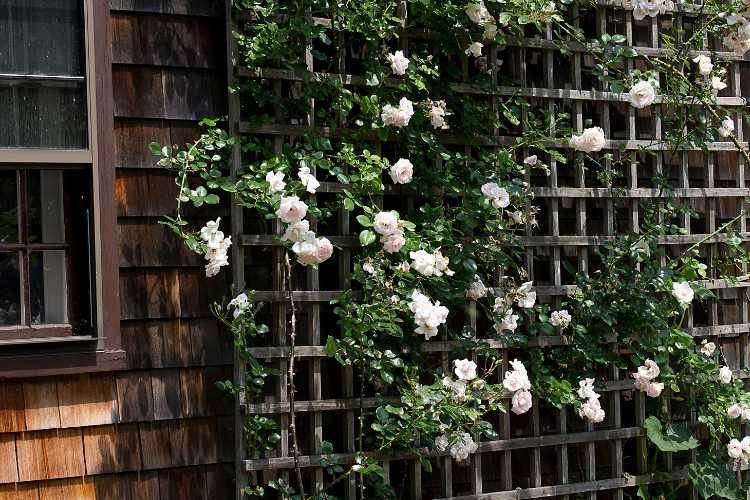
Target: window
{"x": 58, "y": 278}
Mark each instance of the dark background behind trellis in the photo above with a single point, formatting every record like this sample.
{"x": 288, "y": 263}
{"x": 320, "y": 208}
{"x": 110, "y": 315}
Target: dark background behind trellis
{"x": 548, "y": 452}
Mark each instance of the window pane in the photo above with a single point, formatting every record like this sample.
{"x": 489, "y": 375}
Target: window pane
{"x": 10, "y": 291}
{"x": 48, "y": 279}
{"x": 8, "y": 208}
{"x": 41, "y": 37}
{"x": 43, "y": 114}
{"x": 46, "y": 217}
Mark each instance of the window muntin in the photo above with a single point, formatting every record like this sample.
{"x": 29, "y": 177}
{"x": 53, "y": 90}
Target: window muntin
{"x": 45, "y": 253}
{"x": 42, "y": 74}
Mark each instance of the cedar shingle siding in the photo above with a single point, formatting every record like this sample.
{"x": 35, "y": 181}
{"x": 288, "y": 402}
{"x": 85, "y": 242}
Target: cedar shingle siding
{"x": 160, "y": 430}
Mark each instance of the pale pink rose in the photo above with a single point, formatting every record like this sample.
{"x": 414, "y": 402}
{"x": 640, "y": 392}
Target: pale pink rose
{"x": 386, "y": 223}
{"x": 521, "y": 402}
{"x": 590, "y": 141}
{"x": 653, "y": 389}
{"x": 392, "y": 243}
{"x": 275, "y": 182}
{"x": 402, "y": 171}
{"x": 398, "y": 62}
{"x": 291, "y": 209}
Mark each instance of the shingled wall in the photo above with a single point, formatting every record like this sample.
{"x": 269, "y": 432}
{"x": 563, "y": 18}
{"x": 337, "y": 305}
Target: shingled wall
{"x": 161, "y": 429}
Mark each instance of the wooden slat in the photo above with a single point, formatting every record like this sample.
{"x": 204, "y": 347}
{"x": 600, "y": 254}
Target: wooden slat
{"x": 167, "y": 400}
{"x": 193, "y": 441}
{"x": 50, "y": 454}
{"x": 12, "y": 407}
{"x": 135, "y": 397}
{"x": 112, "y": 448}
{"x": 140, "y": 486}
{"x": 41, "y": 410}
{"x": 8, "y": 463}
{"x": 67, "y": 489}
{"x": 156, "y": 448}
{"x": 87, "y": 400}
{"x": 19, "y": 491}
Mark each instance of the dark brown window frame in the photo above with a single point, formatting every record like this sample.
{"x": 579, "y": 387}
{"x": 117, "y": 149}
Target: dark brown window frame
{"x": 49, "y": 355}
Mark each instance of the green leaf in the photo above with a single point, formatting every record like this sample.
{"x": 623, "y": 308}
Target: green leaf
{"x": 364, "y": 221}
{"x": 366, "y": 237}
{"x": 676, "y": 438}
{"x": 155, "y": 149}
{"x": 711, "y": 477}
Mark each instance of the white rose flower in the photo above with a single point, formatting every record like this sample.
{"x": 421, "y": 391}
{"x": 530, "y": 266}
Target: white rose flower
{"x": 240, "y": 304}
{"x": 745, "y": 414}
{"x": 745, "y": 443}
{"x": 475, "y": 49}
{"x": 275, "y": 182}
{"x": 734, "y": 449}
{"x": 217, "y": 247}
{"x": 477, "y": 12}
{"x": 398, "y": 62}
{"x": 586, "y": 389}
{"x": 705, "y": 66}
{"x": 560, "y": 319}
{"x": 441, "y": 443}
{"x": 592, "y": 411}
{"x": 398, "y": 116}
{"x": 682, "y": 292}
{"x": 650, "y": 370}
{"x": 427, "y": 316}
{"x": 298, "y": 231}
{"x": 527, "y": 300}
{"x": 386, "y": 223}
{"x": 458, "y": 387}
{"x": 402, "y": 171}
{"x": 368, "y": 268}
{"x": 708, "y": 348}
{"x": 727, "y": 127}
{"x": 653, "y": 389}
{"x": 717, "y": 85}
{"x": 423, "y": 262}
{"x": 308, "y": 180}
{"x": 497, "y": 195}
{"x": 404, "y": 267}
{"x": 476, "y": 291}
{"x": 465, "y": 447}
{"x": 531, "y": 160}
{"x": 590, "y": 141}
{"x": 490, "y": 31}
{"x": 436, "y": 114}
{"x": 642, "y": 95}
{"x": 734, "y": 411}
{"x": 392, "y": 243}
{"x": 516, "y": 379}
{"x": 509, "y": 322}
{"x": 521, "y": 402}
{"x": 441, "y": 264}
{"x": 291, "y": 209}
{"x": 725, "y": 375}
{"x": 465, "y": 369}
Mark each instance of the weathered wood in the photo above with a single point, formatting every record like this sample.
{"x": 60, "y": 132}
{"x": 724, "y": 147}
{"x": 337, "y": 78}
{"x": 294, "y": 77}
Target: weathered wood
{"x": 140, "y": 486}
{"x": 41, "y": 406}
{"x": 66, "y": 489}
{"x": 50, "y": 454}
{"x": 156, "y": 448}
{"x": 8, "y": 462}
{"x": 87, "y": 400}
{"x": 135, "y": 397}
{"x": 12, "y": 407}
{"x": 112, "y": 448}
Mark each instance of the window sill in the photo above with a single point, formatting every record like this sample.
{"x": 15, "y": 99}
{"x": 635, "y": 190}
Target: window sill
{"x": 71, "y": 355}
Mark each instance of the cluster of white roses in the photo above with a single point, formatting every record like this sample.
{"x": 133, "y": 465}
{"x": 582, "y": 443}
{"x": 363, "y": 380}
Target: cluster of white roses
{"x": 591, "y": 140}
{"x": 461, "y": 449}
{"x": 398, "y": 116}
{"x": 712, "y": 79}
{"x": 390, "y": 229}
{"x": 466, "y": 371}
{"x": 427, "y": 316}
{"x": 479, "y": 14}
{"x": 240, "y": 303}
{"x": 560, "y": 319}
{"x": 497, "y": 195}
{"x": 739, "y": 451}
{"x": 524, "y": 297}
{"x": 739, "y": 39}
{"x": 644, "y": 379}
{"x": 430, "y": 264}
{"x": 739, "y": 410}
{"x": 643, "y": 8}
{"x": 217, "y": 247}
{"x": 308, "y": 248}
{"x": 683, "y": 292}
{"x": 591, "y": 408}
{"x": 516, "y": 381}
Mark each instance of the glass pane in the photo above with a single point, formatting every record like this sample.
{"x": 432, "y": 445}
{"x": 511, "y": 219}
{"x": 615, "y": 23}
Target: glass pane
{"x": 42, "y": 37}
{"x": 48, "y": 280}
{"x": 8, "y": 207}
{"x": 10, "y": 291}
{"x": 46, "y": 217}
{"x": 43, "y": 114}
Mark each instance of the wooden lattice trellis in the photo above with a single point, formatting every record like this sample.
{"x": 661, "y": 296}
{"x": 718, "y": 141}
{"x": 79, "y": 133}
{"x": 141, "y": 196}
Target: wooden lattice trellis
{"x": 552, "y": 452}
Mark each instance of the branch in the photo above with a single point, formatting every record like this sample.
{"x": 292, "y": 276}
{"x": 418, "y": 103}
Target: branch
{"x": 290, "y": 386}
